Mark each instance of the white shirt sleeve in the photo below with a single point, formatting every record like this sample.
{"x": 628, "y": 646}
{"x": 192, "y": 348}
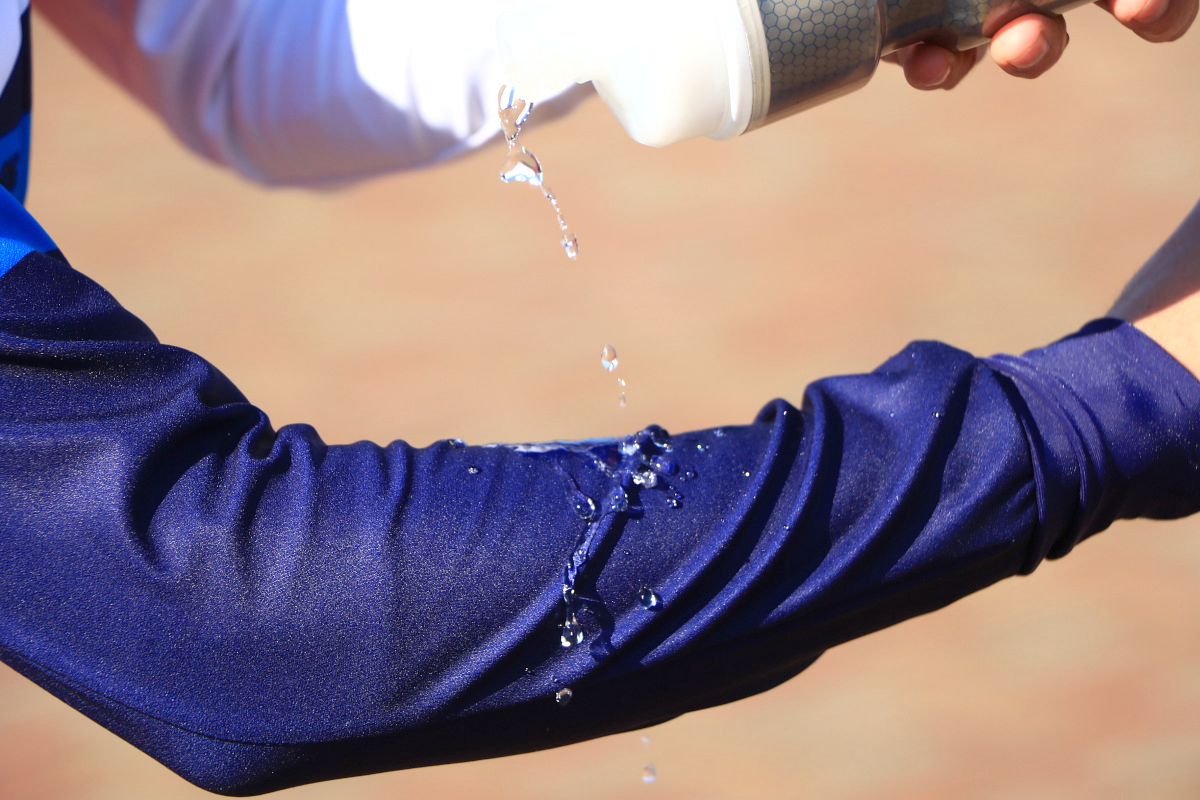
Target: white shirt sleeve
{"x": 307, "y": 92}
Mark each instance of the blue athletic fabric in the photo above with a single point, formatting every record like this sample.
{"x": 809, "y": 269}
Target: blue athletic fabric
{"x": 256, "y": 608}
{"x": 15, "y": 103}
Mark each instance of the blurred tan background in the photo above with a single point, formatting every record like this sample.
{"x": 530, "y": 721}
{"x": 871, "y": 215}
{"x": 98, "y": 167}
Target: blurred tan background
{"x": 996, "y": 217}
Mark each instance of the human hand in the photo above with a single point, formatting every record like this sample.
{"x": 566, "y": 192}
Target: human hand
{"x": 1033, "y": 43}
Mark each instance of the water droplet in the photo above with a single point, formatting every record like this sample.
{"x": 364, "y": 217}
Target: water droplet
{"x": 568, "y": 592}
{"x": 529, "y": 670}
{"x": 702, "y": 447}
{"x": 608, "y": 357}
{"x": 675, "y": 500}
{"x": 521, "y": 166}
{"x": 617, "y": 500}
{"x": 649, "y": 598}
{"x": 473, "y": 470}
{"x": 649, "y": 774}
{"x": 719, "y": 433}
{"x": 629, "y": 448}
{"x": 513, "y": 112}
{"x": 937, "y": 415}
{"x": 585, "y": 507}
{"x": 644, "y": 476}
{"x": 745, "y": 473}
{"x": 691, "y": 474}
{"x": 621, "y": 382}
{"x": 621, "y": 399}
{"x": 571, "y": 633}
{"x": 660, "y": 439}
{"x": 645, "y": 740}
{"x": 457, "y": 444}
{"x": 563, "y": 695}
{"x": 570, "y": 244}
{"x": 664, "y": 466}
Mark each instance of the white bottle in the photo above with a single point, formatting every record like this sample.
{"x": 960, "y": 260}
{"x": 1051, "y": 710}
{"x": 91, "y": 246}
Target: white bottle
{"x": 675, "y": 69}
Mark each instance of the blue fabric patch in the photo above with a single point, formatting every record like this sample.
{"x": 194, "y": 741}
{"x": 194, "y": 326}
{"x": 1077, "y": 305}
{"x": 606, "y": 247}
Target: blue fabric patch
{"x": 20, "y": 234}
{"x": 14, "y": 158}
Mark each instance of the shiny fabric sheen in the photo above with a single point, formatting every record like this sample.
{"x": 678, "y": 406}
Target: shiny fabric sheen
{"x": 256, "y": 608}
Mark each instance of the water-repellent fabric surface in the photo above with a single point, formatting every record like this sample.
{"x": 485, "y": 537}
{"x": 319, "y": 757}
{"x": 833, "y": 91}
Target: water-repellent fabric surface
{"x": 256, "y": 608}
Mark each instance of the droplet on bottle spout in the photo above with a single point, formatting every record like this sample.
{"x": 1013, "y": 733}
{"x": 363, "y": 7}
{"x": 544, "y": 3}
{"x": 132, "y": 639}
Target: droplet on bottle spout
{"x": 513, "y": 112}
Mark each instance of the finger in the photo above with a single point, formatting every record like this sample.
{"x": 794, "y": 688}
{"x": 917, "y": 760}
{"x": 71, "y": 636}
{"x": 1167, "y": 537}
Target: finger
{"x": 927, "y": 66}
{"x": 1154, "y": 20}
{"x": 1030, "y": 45}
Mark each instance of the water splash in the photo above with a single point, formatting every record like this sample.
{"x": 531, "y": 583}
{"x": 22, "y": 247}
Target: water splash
{"x": 630, "y": 465}
{"x": 522, "y": 166}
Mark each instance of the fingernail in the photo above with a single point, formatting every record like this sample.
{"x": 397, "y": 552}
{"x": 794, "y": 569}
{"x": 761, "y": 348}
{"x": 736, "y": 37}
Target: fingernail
{"x": 1152, "y": 11}
{"x": 1031, "y": 56}
{"x": 939, "y": 79}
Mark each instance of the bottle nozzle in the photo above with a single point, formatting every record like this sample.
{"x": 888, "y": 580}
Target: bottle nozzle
{"x": 665, "y": 71}
{"x": 539, "y": 47}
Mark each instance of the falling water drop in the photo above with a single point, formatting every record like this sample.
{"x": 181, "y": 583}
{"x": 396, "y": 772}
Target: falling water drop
{"x": 521, "y": 166}
{"x": 570, "y": 244}
{"x": 608, "y": 357}
{"x": 621, "y": 399}
{"x": 649, "y": 774}
{"x": 563, "y": 695}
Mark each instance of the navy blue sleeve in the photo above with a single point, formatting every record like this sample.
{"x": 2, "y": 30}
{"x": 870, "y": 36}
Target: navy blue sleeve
{"x": 257, "y": 609}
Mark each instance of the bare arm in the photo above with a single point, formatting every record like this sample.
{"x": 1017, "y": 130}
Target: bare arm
{"x": 1163, "y": 298}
